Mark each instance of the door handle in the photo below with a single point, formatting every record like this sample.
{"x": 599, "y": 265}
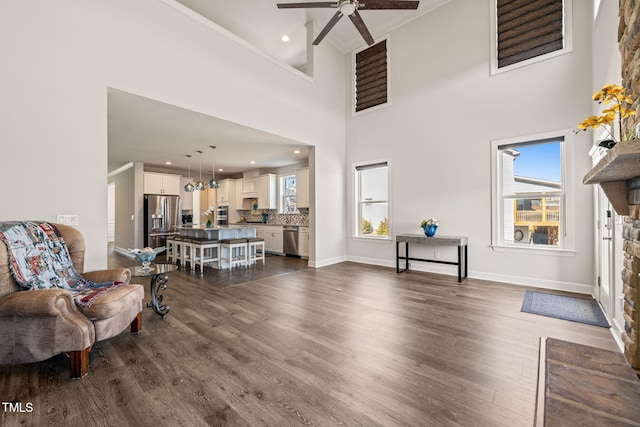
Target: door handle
{"x": 606, "y": 238}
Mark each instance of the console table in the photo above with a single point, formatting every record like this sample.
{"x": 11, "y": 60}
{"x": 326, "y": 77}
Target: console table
{"x": 421, "y": 239}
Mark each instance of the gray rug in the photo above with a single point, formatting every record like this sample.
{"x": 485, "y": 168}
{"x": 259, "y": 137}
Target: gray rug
{"x": 580, "y": 310}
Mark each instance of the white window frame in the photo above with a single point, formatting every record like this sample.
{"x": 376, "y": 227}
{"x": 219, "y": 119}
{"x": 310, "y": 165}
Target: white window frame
{"x": 357, "y": 204}
{"x": 567, "y": 36}
{"x": 281, "y": 194}
{"x": 355, "y": 113}
{"x": 567, "y": 218}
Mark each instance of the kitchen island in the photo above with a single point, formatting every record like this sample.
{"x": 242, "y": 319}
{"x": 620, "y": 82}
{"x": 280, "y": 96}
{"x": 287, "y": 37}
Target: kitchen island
{"x": 224, "y": 250}
{"x": 218, "y": 233}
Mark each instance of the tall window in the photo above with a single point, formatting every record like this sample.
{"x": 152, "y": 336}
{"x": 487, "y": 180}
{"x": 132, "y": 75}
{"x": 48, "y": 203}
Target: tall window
{"x": 531, "y": 194}
{"x": 527, "y": 31}
{"x": 372, "y": 196}
{"x": 371, "y": 77}
{"x": 288, "y": 194}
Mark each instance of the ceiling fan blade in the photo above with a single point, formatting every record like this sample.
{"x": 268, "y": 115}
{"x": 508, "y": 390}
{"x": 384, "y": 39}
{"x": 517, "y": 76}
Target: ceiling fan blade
{"x": 312, "y": 4}
{"x": 387, "y": 4}
{"x": 362, "y": 28}
{"x": 328, "y": 28}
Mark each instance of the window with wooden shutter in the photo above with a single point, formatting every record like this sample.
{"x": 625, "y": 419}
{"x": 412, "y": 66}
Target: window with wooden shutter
{"x": 371, "y": 76}
{"x": 529, "y": 29}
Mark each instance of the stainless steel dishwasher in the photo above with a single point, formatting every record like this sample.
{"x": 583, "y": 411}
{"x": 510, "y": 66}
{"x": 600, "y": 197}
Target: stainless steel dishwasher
{"x": 290, "y": 240}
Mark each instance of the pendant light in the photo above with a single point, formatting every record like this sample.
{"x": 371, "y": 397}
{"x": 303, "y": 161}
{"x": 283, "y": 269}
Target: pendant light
{"x": 213, "y": 183}
{"x": 189, "y": 187}
{"x": 200, "y": 185}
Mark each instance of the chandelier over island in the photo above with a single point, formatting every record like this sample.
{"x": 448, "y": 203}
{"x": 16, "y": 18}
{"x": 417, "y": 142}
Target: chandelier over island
{"x": 190, "y": 187}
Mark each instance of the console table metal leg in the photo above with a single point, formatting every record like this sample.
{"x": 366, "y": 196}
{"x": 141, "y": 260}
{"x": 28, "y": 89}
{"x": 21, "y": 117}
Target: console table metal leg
{"x": 405, "y": 257}
{"x": 158, "y": 283}
{"x": 459, "y": 264}
{"x": 466, "y": 261}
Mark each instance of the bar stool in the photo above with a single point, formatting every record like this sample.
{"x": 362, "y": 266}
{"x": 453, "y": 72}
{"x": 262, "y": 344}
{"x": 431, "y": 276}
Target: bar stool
{"x": 235, "y": 251}
{"x": 176, "y": 250}
{"x": 169, "y": 251}
{"x": 253, "y": 244}
{"x": 186, "y": 253}
{"x": 205, "y": 251}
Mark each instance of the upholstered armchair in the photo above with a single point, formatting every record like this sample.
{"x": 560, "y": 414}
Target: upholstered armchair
{"x": 38, "y": 324}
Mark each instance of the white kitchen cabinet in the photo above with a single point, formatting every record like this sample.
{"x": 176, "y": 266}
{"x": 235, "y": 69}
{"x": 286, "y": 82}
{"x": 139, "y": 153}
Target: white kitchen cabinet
{"x": 160, "y": 183}
{"x": 186, "y": 198}
{"x": 265, "y": 187}
{"x": 249, "y": 187}
{"x": 223, "y": 192}
{"x": 272, "y": 235}
{"x": 303, "y": 241}
{"x": 239, "y": 195}
{"x": 276, "y": 240}
{"x": 302, "y": 188}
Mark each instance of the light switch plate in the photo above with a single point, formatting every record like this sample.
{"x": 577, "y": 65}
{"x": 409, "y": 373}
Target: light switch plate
{"x": 68, "y": 219}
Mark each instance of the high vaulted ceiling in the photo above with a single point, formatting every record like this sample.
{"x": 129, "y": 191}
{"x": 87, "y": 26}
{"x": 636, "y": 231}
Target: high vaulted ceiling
{"x": 148, "y": 131}
{"x": 262, "y": 24}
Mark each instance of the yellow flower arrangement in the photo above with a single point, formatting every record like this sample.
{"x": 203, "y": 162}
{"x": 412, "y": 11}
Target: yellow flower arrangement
{"x": 621, "y": 102}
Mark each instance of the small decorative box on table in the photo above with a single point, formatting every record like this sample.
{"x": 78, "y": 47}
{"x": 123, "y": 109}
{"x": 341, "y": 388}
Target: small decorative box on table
{"x": 421, "y": 239}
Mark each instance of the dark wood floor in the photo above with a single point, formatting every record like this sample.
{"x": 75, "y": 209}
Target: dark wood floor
{"x": 348, "y": 344}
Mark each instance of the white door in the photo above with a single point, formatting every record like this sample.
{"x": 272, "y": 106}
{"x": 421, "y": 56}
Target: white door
{"x": 605, "y": 252}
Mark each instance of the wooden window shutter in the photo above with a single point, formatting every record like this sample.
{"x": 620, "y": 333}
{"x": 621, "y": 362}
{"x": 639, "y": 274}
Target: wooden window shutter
{"x": 527, "y": 29}
{"x": 371, "y": 76}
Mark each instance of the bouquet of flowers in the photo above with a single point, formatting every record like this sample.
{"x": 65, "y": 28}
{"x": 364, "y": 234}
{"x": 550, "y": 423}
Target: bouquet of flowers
{"x": 620, "y": 103}
{"x": 209, "y": 213}
{"x": 427, "y": 222}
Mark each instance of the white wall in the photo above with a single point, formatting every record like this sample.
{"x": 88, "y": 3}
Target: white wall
{"x": 445, "y": 109}
{"x": 60, "y": 57}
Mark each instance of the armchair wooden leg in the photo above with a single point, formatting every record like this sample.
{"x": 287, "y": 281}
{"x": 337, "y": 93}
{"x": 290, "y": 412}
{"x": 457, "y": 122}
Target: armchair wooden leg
{"x": 79, "y": 362}
{"x": 136, "y": 325}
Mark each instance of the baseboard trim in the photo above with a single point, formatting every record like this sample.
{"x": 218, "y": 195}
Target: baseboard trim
{"x": 503, "y": 278}
{"x": 326, "y": 262}
{"x": 616, "y": 331}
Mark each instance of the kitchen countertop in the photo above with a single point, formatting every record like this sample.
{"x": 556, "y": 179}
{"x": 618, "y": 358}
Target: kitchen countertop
{"x": 219, "y": 233}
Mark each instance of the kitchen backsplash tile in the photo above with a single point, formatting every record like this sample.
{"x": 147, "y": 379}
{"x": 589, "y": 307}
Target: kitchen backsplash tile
{"x": 284, "y": 219}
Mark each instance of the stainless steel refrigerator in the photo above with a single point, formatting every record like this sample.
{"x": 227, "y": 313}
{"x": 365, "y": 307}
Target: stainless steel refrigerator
{"x": 162, "y": 217}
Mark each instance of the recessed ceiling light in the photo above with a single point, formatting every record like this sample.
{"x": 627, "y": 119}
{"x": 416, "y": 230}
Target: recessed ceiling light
{"x": 285, "y": 38}
{"x": 296, "y": 152}
{"x": 252, "y": 162}
{"x": 220, "y": 170}
{"x": 167, "y": 163}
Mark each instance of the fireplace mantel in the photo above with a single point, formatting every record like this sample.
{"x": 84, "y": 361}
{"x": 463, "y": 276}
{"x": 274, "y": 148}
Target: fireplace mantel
{"x": 621, "y": 163}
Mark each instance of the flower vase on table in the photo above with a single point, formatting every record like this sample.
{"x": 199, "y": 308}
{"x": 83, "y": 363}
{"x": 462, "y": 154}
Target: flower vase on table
{"x": 430, "y": 230}
{"x": 207, "y": 214}
{"x": 430, "y": 226}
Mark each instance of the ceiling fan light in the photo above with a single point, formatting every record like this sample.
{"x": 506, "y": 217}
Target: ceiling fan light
{"x": 348, "y": 7}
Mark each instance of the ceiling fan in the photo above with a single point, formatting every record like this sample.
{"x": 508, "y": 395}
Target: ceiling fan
{"x": 350, "y": 8}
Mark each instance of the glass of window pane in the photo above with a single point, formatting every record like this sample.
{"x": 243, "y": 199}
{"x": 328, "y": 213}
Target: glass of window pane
{"x": 532, "y": 221}
{"x": 374, "y": 220}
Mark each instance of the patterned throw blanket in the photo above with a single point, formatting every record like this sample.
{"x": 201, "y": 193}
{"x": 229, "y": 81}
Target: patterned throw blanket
{"x": 39, "y": 259}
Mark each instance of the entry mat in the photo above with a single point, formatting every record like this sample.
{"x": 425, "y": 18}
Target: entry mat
{"x": 582, "y": 310}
